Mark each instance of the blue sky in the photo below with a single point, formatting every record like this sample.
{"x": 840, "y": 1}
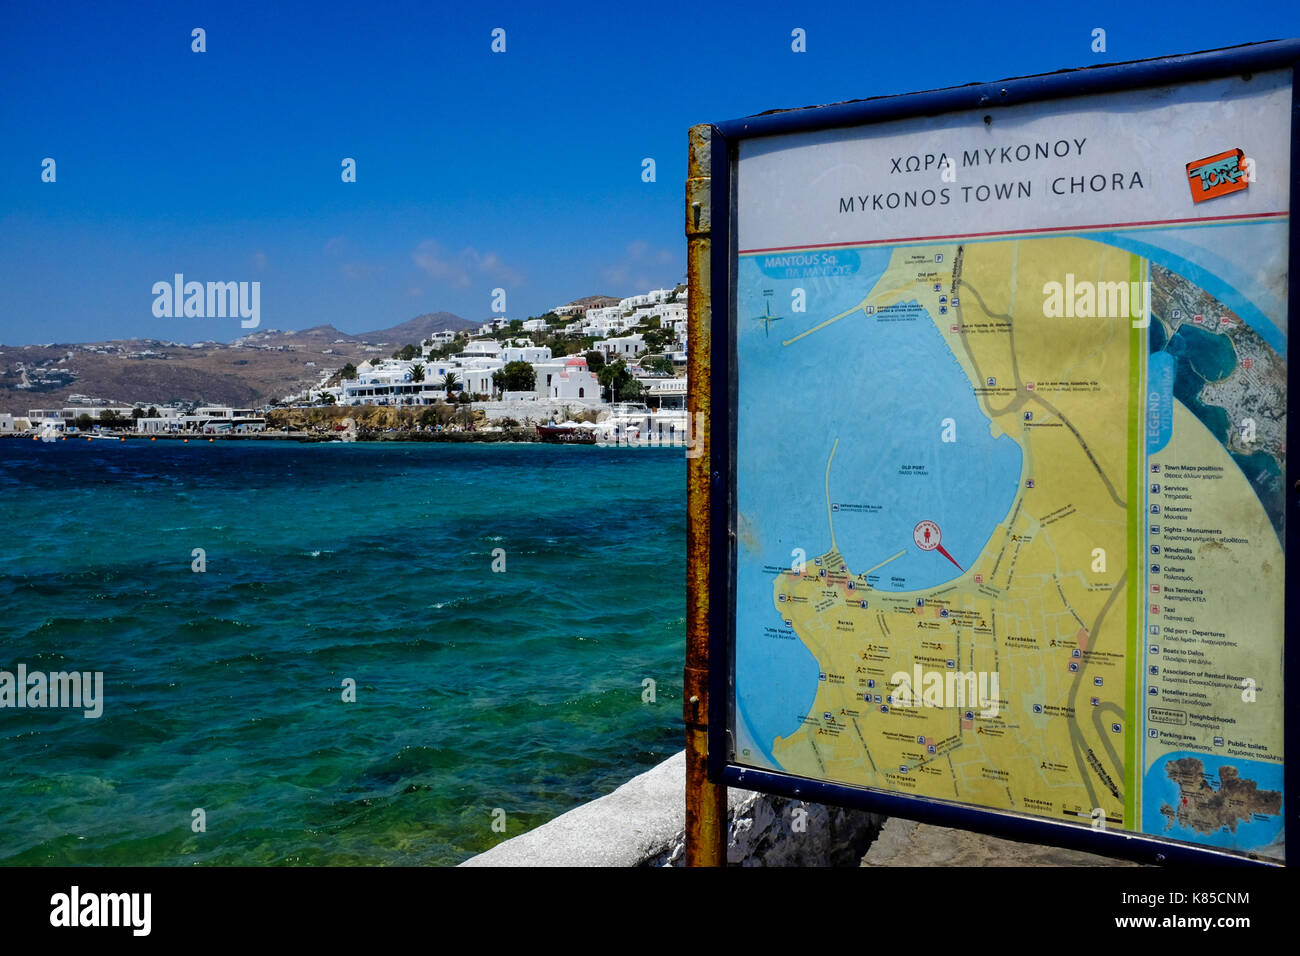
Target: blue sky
{"x": 475, "y": 170}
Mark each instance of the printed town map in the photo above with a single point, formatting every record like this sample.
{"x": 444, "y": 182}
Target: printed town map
{"x": 1010, "y": 517}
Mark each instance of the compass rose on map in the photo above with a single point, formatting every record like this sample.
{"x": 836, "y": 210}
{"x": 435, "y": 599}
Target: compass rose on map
{"x": 768, "y": 319}
{"x": 927, "y": 536}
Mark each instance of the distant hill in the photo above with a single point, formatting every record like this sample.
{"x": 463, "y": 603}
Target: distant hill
{"x": 264, "y": 366}
{"x": 418, "y": 329}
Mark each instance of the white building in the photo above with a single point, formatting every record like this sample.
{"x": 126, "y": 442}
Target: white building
{"x": 525, "y": 351}
{"x": 665, "y": 392}
{"x": 653, "y": 297}
{"x": 574, "y": 381}
{"x": 623, "y": 346}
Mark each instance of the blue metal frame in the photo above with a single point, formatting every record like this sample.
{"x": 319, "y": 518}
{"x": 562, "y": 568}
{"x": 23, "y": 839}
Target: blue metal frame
{"x": 1253, "y": 58}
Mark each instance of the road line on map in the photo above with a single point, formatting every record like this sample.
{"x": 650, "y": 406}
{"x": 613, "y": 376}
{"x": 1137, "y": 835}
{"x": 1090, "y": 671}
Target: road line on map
{"x": 857, "y": 308}
{"x": 829, "y": 520}
{"x": 892, "y": 557}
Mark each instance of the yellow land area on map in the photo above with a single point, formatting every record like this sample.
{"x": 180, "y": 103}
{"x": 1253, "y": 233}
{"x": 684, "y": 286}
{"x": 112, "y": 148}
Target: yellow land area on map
{"x": 1044, "y": 607}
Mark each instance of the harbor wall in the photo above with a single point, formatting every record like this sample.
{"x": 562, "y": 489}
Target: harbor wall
{"x": 643, "y": 822}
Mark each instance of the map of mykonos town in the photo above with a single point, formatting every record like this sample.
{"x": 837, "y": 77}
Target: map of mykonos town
{"x": 1010, "y": 517}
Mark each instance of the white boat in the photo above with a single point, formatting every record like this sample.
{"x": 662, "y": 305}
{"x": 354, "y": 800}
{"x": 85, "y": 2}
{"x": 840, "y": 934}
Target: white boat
{"x": 49, "y": 432}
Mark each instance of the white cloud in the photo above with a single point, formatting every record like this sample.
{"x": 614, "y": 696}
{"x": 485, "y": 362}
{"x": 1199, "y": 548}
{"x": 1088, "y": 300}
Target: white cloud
{"x": 360, "y": 270}
{"x": 641, "y": 268}
{"x": 462, "y": 268}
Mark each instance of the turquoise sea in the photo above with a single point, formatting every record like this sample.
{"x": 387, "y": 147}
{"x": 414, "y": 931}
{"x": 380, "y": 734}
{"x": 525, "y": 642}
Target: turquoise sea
{"x": 476, "y": 689}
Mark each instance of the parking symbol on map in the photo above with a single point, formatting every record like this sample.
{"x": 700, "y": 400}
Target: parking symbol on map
{"x": 1153, "y": 733}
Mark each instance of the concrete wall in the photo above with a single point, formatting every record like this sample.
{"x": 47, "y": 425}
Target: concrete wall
{"x": 642, "y": 823}
{"x": 541, "y": 410}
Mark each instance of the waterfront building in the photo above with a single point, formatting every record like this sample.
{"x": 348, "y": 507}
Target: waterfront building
{"x": 664, "y": 393}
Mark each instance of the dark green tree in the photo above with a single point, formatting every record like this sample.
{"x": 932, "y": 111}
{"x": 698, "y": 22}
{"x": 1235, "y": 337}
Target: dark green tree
{"x": 515, "y": 377}
{"x": 658, "y": 363}
{"x": 618, "y": 381}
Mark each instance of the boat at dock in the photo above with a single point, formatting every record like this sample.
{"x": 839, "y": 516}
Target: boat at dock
{"x": 568, "y": 433}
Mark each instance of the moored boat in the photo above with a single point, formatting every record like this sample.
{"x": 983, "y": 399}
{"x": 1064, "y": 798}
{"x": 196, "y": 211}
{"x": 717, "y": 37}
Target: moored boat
{"x": 567, "y": 433}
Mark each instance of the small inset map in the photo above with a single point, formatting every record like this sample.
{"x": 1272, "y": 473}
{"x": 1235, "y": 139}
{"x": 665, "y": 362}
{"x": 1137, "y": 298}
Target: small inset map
{"x": 1218, "y": 803}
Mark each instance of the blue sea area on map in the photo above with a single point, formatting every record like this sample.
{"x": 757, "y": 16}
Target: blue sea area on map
{"x": 1158, "y": 790}
{"x": 886, "y": 387}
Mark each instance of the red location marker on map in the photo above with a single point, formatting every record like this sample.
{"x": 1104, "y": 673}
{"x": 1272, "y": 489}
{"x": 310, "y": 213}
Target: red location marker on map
{"x": 928, "y": 537}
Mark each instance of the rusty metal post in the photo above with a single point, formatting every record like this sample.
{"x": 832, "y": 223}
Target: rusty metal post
{"x": 706, "y": 802}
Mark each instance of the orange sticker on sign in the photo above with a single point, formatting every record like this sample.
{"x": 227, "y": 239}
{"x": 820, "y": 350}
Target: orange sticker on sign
{"x": 1217, "y": 175}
